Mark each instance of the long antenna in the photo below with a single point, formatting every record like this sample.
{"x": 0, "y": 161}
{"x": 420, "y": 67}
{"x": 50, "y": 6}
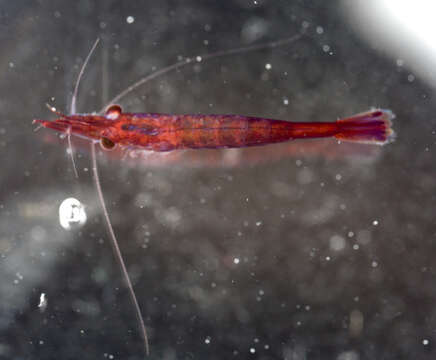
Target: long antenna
{"x": 187, "y": 61}
{"x": 79, "y": 77}
{"x": 113, "y": 239}
{"x": 117, "y": 251}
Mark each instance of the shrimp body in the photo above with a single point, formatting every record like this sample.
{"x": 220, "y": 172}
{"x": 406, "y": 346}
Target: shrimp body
{"x": 166, "y": 132}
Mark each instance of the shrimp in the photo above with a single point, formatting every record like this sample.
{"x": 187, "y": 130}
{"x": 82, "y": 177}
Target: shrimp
{"x": 167, "y": 132}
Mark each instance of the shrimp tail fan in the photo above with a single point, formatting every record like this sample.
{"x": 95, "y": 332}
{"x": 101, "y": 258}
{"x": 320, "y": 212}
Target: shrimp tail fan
{"x": 371, "y": 127}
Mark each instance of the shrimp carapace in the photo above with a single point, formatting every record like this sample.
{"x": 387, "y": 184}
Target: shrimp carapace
{"x": 166, "y": 132}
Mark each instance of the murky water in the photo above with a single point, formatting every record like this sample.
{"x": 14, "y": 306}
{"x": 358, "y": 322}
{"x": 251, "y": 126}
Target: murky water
{"x": 314, "y": 250}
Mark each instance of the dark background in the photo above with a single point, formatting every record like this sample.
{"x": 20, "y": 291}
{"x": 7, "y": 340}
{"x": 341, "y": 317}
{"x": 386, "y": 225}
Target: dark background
{"x": 336, "y": 243}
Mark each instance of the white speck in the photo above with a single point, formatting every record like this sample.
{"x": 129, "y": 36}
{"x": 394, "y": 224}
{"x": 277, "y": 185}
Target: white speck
{"x": 130, "y": 19}
{"x": 374, "y": 264}
{"x": 375, "y": 222}
{"x": 285, "y": 101}
{"x": 305, "y": 24}
{"x": 425, "y": 342}
{"x": 356, "y": 247}
{"x": 41, "y": 342}
{"x": 268, "y": 66}
{"x": 350, "y": 234}
{"x": 319, "y": 30}
{"x": 198, "y": 58}
{"x": 207, "y": 340}
{"x": 328, "y": 258}
{"x": 326, "y": 48}
{"x": 261, "y": 292}
{"x": 307, "y": 307}
{"x": 72, "y": 214}
{"x": 338, "y": 177}
{"x": 11, "y": 64}
{"x": 258, "y": 223}
{"x": 42, "y": 302}
{"x": 236, "y": 260}
{"x": 266, "y": 347}
{"x": 400, "y": 62}
{"x": 252, "y": 350}
{"x": 411, "y": 77}
{"x": 298, "y": 163}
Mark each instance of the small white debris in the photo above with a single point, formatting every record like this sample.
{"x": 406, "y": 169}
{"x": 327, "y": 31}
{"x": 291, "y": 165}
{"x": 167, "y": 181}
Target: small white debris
{"x": 130, "y": 19}
{"x": 375, "y": 222}
{"x": 425, "y": 342}
{"x": 42, "y": 302}
{"x": 268, "y": 66}
{"x": 207, "y": 340}
{"x": 252, "y": 350}
{"x": 72, "y": 214}
{"x": 236, "y": 260}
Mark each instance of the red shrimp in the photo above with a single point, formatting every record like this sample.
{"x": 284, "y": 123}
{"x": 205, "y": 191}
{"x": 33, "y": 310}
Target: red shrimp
{"x": 166, "y": 132}
{"x": 163, "y": 132}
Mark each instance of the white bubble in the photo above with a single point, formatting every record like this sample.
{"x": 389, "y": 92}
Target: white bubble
{"x": 72, "y": 214}
{"x": 207, "y": 340}
{"x": 252, "y": 350}
{"x": 268, "y": 66}
{"x": 375, "y": 222}
{"x": 236, "y": 260}
{"x": 130, "y": 19}
{"x": 425, "y": 342}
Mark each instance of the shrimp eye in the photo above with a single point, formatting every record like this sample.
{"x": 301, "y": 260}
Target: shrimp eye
{"x": 106, "y": 143}
{"x": 113, "y": 112}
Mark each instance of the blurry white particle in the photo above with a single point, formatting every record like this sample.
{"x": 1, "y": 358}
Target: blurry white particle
{"x": 252, "y": 350}
{"x": 42, "y": 302}
{"x": 337, "y": 243}
{"x": 41, "y": 342}
{"x": 319, "y": 30}
{"x": 305, "y": 24}
{"x": 307, "y": 307}
{"x": 207, "y": 27}
{"x": 82, "y": 331}
{"x": 111, "y": 356}
{"x": 198, "y": 58}
{"x": 268, "y": 66}
{"x": 375, "y": 222}
{"x": 57, "y": 14}
{"x": 356, "y": 247}
{"x": 328, "y": 258}
{"x": 258, "y": 223}
{"x": 338, "y": 177}
{"x": 261, "y": 292}
{"x": 374, "y": 264}
{"x": 256, "y": 340}
{"x": 326, "y": 48}
{"x": 350, "y": 234}
{"x": 236, "y": 260}
{"x": 11, "y": 64}
{"x": 285, "y": 101}
{"x": 130, "y": 19}
{"x": 298, "y": 323}
{"x": 102, "y": 25}
{"x": 72, "y": 214}
{"x": 411, "y": 77}
{"x": 400, "y": 62}
{"x": 298, "y": 163}
{"x": 207, "y": 340}
{"x": 266, "y": 347}
{"x": 425, "y": 342}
